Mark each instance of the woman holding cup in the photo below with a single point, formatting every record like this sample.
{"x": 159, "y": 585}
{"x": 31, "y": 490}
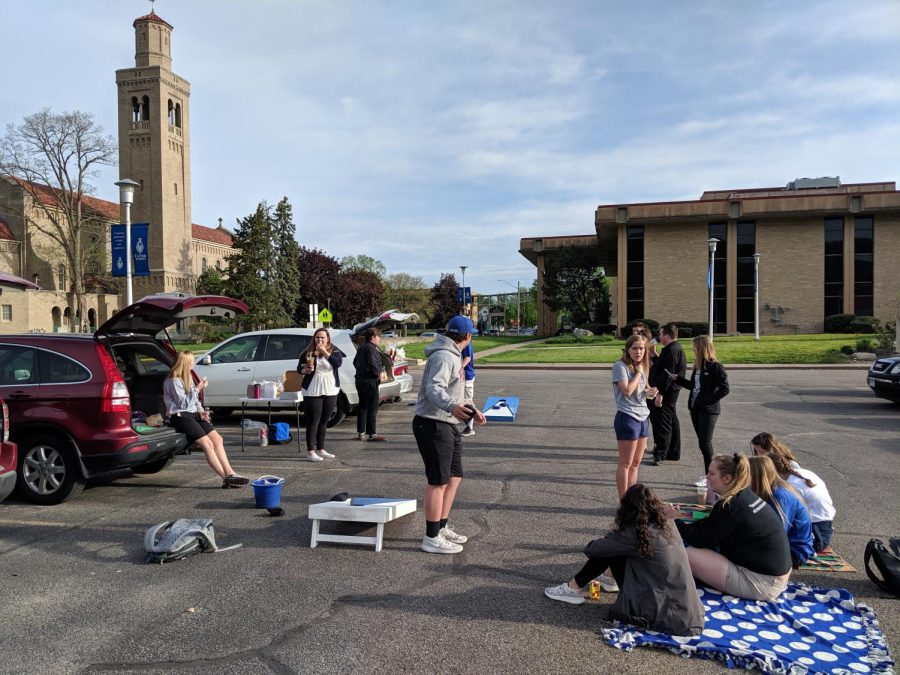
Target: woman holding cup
{"x": 319, "y": 366}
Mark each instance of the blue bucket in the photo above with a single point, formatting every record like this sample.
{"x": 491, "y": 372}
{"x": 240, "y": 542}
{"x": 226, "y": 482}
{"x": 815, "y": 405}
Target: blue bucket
{"x": 267, "y": 491}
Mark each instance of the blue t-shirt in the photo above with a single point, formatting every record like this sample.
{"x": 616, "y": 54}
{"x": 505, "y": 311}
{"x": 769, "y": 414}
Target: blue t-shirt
{"x": 470, "y": 366}
{"x": 635, "y": 405}
{"x": 796, "y": 523}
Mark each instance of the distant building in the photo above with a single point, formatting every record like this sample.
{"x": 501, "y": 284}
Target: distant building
{"x": 154, "y": 150}
{"x": 825, "y": 248}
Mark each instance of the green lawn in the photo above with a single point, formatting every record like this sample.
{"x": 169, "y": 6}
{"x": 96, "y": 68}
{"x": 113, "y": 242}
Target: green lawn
{"x": 416, "y": 350}
{"x": 771, "y": 349}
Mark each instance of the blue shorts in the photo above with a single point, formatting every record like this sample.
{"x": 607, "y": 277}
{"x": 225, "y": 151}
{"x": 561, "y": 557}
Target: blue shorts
{"x": 629, "y": 429}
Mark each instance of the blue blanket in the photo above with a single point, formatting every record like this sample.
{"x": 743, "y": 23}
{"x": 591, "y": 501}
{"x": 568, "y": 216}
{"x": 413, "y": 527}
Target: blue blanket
{"x": 806, "y": 630}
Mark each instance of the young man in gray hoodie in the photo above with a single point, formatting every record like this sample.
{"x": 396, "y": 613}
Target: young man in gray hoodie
{"x": 439, "y": 408}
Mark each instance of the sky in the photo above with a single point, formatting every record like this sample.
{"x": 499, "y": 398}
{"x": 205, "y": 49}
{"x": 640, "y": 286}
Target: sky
{"x": 432, "y": 134}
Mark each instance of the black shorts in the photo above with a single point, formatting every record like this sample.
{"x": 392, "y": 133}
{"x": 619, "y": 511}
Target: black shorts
{"x": 191, "y": 425}
{"x": 441, "y": 448}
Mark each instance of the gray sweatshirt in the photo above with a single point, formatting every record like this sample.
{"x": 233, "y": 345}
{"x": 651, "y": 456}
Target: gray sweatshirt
{"x": 442, "y": 382}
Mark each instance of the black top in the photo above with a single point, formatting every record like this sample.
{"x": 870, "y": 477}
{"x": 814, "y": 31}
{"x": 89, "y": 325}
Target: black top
{"x": 367, "y": 362}
{"x": 746, "y": 530}
{"x": 671, "y": 358}
{"x": 713, "y": 388}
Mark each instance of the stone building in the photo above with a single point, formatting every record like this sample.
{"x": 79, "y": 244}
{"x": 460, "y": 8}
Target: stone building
{"x": 824, "y": 248}
{"x": 154, "y": 151}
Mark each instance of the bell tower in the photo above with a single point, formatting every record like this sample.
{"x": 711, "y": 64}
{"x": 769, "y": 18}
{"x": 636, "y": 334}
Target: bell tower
{"x": 154, "y": 150}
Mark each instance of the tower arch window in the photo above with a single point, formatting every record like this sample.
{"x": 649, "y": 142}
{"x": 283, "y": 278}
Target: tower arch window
{"x": 145, "y": 109}
{"x": 178, "y": 115}
{"x": 171, "y": 113}
{"x": 218, "y": 264}
{"x": 135, "y": 110}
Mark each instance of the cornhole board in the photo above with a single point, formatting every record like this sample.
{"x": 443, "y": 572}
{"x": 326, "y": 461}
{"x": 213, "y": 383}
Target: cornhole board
{"x": 501, "y": 409}
{"x": 827, "y": 560}
{"x": 378, "y": 510}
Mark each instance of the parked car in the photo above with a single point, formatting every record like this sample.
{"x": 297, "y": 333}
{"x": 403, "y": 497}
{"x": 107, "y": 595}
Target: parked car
{"x": 389, "y": 334}
{"x": 71, "y": 396}
{"x": 884, "y": 378}
{"x": 7, "y": 456}
{"x": 267, "y": 355}
{"x": 428, "y": 334}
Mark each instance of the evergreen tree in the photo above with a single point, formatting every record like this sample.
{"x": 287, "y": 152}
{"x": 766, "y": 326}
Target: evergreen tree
{"x": 211, "y": 282}
{"x": 250, "y": 269}
{"x": 286, "y": 275}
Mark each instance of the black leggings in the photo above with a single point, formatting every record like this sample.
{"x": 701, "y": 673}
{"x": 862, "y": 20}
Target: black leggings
{"x": 368, "y": 406}
{"x": 705, "y": 425}
{"x": 317, "y": 411}
{"x": 594, "y": 567}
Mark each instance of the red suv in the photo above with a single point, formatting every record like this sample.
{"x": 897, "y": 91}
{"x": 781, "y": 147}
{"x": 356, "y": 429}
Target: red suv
{"x": 71, "y": 397}
{"x": 7, "y": 456}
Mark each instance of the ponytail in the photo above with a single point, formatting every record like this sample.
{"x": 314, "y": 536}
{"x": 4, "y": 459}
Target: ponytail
{"x": 738, "y": 468}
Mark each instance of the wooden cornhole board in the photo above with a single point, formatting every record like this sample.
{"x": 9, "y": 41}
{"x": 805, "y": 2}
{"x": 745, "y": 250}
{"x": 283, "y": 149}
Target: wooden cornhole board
{"x": 501, "y": 409}
{"x": 378, "y": 510}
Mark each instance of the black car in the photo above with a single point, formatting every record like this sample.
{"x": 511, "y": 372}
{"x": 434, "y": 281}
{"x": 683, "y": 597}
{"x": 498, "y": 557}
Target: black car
{"x": 884, "y": 378}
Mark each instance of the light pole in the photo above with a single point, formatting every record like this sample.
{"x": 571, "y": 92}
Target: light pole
{"x": 463, "y": 268}
{"x": 126, "y": 197}
{"x": 711, "y": 280}
{"x": 518, "y": 304}
{"x": 756, "y": 296}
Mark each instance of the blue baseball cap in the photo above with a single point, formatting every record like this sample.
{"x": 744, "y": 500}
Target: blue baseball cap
{"x": 462, "y": 325}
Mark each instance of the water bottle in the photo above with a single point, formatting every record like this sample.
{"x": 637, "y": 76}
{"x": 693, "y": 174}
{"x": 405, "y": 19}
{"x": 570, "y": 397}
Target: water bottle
{"x": 264, "y": 436}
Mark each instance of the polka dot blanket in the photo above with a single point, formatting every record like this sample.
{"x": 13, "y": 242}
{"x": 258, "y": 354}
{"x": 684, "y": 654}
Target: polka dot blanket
{"x": 806, "y": 630}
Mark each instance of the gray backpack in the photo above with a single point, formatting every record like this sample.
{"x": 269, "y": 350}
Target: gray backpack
{"x": 174, "y": 540}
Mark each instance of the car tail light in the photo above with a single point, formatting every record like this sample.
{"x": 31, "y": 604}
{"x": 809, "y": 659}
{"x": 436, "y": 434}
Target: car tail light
{"x": 115, "y": 392}
{"x": 5, "y": 422}
{"x": 143, "y": 447}
{"x": 400, "y": 370}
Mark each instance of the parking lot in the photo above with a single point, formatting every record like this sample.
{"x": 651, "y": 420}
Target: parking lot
{"x": 77, "y": 595}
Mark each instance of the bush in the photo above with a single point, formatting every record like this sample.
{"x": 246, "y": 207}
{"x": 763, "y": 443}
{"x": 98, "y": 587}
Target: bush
{"x": 691, "y": 328}
{"x": 599, "y": 328}
{"x": 650, "y": 323}
{"x": 847, "y": 349}
{"x": 839, "y": 323}
{"x": 864, "y": 324}
{"x": 866, "y": 344}
{"x": 579, "y": 340}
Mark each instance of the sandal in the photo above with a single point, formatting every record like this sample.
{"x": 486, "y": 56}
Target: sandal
{"x": 234, "y": 481}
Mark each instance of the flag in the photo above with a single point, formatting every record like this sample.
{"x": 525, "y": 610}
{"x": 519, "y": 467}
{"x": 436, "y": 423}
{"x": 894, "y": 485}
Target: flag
{"x": 709, "y": 279}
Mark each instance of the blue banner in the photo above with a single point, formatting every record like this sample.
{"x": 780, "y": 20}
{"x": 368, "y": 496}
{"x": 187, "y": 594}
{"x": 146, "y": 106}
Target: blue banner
{"x": 459, "y": 295}
{"x": 140, "y": 261}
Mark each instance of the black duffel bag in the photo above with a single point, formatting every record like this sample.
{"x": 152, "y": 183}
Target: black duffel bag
{"x": 887, "y": 562}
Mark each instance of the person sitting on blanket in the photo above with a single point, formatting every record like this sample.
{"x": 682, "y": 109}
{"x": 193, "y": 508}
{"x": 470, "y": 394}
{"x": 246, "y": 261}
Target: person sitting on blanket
{"x": 808, "y": 485}
{"x": 765, "y": 482}
{"x": 648, "y": 560}
{"x": 741, "y": 548}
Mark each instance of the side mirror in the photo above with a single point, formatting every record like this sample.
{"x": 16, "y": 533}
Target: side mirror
{"x": 205, "y": 361}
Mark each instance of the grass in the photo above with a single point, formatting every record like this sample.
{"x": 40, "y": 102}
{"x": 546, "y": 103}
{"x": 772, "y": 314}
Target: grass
{"x": 774, "y": 349}
{"x": 416, "y": 350}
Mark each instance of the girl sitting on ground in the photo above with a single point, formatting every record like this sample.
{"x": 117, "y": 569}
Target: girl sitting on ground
{"x": 808, "y": 485}
{"x": 741, "y": 548}
{"x": 765, "y": 482}
{"x": 648, "y": 560}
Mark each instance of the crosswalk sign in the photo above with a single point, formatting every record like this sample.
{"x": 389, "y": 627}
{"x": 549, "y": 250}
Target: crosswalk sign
{"x": 325, "y": 315}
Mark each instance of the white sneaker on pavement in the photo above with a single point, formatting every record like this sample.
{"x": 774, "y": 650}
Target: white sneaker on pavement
{"x": 564, "y": 593}
{"x": 324, "y": 454}
{"x": 608, "y": 583}
{"x": 452, "y": 536}
{"x": 313, "y": 457}
{"x": 439, "y": 544}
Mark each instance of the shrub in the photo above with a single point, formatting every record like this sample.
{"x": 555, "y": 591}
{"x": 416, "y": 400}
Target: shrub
{"x": 650, "y": 323}
{"x": 866, "y": 344}
{"x": 838, "y": 323}
{"x": 864, "y": 324}
{"x": 847, "y": 349}
{"x": 599, "y": 328}
{"x": 692, "y": 328}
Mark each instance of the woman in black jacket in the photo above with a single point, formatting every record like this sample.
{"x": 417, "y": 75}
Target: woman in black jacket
{"x": 708, "y": 385}
{"x": 369, "y": 368}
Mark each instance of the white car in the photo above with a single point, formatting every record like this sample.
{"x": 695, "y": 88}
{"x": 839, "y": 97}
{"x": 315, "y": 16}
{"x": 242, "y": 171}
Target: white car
{"x": 267, "y": 354}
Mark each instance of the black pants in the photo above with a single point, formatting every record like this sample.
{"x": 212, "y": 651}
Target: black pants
{"x": 368, "y": 406}
{"x": 317, "y": 410}
{"x": 705, "y": 425}
{"x": 594, "y": 567}
{"x": 666, "y": 432}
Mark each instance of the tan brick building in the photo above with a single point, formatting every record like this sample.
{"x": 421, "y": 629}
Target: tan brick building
{"x": 824, "y": 248}
{"x": 154, "y": 151}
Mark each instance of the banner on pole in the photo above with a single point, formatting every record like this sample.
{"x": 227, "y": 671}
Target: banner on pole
{"x": 140, "y": 259}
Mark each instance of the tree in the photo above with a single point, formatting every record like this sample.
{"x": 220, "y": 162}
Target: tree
{"x": 250, "y": 268}
{"x": 318, "y": 281}
{"x": 572, "y": 283}
{"x": 360, "y": 295}
{"x": 53, "y": 157}
{"x": 286, "y": 281}
{"x": 443, "y": 299}
{"x": 364, "y": 263}
{"x": 408, "y": 294}
{"x": 210, "y": 282}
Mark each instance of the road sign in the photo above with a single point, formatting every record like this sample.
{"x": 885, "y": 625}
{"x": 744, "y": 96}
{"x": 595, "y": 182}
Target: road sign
{"x": 325, "y": 315}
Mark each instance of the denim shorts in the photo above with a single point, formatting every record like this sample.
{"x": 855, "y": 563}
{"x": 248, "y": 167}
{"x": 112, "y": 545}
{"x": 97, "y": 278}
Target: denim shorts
{"x": 629, "y": 429}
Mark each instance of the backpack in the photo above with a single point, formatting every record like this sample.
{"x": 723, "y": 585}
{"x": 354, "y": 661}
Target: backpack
{"x": 887, "y": 561}
{"x": 174, "y": 540}
{"x": 280, "y": 432}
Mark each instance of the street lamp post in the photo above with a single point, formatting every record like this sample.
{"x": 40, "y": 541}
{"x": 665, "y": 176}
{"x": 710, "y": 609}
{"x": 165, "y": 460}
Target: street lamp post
{"x": 126, "y": 197}
{"x": 711, "y": 279}
{"x": 465, "y": 310}
{"x": 518, "y": 303}
{"x": 756, "y": 296}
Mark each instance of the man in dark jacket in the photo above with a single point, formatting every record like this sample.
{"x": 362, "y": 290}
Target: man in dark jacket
{"x": 663, "y": 414}
{"x": 368, "y": 365}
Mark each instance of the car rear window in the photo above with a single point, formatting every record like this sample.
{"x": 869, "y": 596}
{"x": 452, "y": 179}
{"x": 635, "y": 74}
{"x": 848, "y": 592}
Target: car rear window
{"x": 59, "y": 369}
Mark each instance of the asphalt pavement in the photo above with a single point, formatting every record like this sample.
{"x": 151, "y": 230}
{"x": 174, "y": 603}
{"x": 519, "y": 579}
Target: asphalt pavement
{"x": 77, "y": 595}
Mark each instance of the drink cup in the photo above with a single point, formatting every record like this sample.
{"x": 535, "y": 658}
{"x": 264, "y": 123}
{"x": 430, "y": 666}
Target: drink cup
{"x": 311, "y": 362}
{"x": 701, "y": 496}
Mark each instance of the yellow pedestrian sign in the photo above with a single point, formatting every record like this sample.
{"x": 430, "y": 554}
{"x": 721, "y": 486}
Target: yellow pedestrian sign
{"x": 325, "y": 315}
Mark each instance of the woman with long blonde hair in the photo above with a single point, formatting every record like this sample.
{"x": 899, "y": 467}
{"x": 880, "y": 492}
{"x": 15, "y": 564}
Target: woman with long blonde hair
{"x": 708, "y": 385}
{"x": 185, "y": 414}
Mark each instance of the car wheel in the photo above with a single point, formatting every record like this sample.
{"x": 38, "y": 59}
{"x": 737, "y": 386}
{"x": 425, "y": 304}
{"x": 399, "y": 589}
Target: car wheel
{"x": 341, "y": 408}
{"x": 155, "y": 466}
{"x": 49, "y": 472}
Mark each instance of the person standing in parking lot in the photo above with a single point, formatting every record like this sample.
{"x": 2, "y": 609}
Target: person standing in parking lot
{"x": 468, "y": 362}
{"x": 319, "y": 366}
{"x": 663, "y": 413}
{"x": 369, "y": 371}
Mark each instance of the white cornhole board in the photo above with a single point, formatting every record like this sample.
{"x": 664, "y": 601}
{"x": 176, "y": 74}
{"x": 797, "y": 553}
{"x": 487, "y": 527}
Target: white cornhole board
{"x": 501, "y": 409}
{"x": 379, "y": 510}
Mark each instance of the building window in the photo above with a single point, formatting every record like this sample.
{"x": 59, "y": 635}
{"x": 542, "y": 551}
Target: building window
{"x": 135, "y": 110}
{"x": 720, "y": 281}
{"x": 171, "y": 113}
{"x": 145, "y": 108}
{"x": 62, "y": 277}
{"x": 863, "y": 263}
{"x": 634, "y": 257}
{"x": 178, "y": 115}
{"x": 745, "y": 296}
{"x": 834, "y": 266}
{"x": 203, "y": 265}
{"x": 218, "y": 264}
{"x": 7, "y": 313}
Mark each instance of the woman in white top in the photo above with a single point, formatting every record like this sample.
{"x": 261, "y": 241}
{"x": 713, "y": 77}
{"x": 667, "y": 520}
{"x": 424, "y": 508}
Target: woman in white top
{"x": 319, "y": 366}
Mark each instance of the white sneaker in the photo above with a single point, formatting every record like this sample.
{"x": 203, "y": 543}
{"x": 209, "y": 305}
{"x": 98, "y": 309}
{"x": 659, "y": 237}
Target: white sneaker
{"x": 324, "y": 455}
{"x": 701, "y": 482}
{"x": 564, "y": 593}
{"x": 313, "y": 457}
{"x": 439, "y": 544}
{"x": 450, "y": 535}
{"x": 608, "y": 584}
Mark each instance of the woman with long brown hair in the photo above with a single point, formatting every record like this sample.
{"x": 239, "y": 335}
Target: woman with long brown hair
{"x": 648, "y": 559}
{"x": 319, "y": 366}
{"x": 630, "y": 390}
